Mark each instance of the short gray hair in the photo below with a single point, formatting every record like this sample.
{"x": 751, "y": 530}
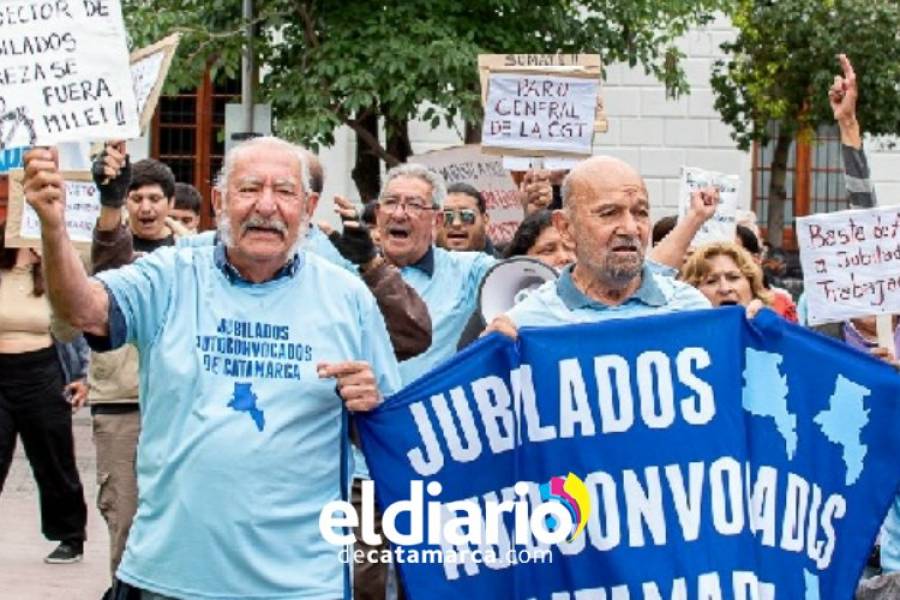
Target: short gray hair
{"x": 231, "y": 157}
{"x": 419, "y": 171}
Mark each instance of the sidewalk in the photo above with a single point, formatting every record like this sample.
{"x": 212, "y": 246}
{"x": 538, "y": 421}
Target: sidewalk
{"x": 23, "y": 573}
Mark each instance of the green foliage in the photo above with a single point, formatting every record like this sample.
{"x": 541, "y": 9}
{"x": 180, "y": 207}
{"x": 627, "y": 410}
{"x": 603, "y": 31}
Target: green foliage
{"x": 783, "y": 61}
{"x": 328, "y": 62}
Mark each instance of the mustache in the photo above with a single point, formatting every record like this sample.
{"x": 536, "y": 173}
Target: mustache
{"x": 257, "y": 222}
{"x": 628, "y": 242}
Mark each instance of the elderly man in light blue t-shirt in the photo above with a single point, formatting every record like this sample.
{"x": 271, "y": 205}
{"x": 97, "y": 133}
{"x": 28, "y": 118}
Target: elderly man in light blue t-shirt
{"x": 606, "y": 217}
{"x": 407, "y": 216}
{"x": 240, "y": 344}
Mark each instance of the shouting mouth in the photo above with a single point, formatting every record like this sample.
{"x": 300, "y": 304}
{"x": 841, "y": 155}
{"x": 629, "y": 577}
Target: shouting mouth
{"x": 397, "y": 232}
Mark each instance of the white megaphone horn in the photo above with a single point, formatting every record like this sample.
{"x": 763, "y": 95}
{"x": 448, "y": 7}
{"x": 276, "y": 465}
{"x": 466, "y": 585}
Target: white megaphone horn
{"x": 504, "y": 283}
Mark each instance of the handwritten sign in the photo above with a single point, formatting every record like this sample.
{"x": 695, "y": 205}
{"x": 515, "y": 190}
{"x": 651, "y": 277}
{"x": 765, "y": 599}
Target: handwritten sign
{"x": 23, "y": 228}
{"x": 149, "y": 67}
{"x": 540, "y": 114}
{"x": 64, "y": 74}
{"x": 721, "y": 227}
{"x": 851, "y": 263}
{"x": 541, "y": 104}
{"x": 466, "y": 164}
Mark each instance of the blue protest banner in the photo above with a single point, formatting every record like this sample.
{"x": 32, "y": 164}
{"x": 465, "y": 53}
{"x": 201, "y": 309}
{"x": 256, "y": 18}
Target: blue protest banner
{"x": 693, "y": 455}
{"x": 11, "y": 158}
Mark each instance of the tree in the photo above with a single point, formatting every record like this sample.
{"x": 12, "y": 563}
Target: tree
{"x": 777, "y": 74}
{"x": 367, "y": 64}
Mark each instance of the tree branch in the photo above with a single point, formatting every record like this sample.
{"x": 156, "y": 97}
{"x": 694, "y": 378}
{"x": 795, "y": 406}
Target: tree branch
{"x": 309, "y": 28}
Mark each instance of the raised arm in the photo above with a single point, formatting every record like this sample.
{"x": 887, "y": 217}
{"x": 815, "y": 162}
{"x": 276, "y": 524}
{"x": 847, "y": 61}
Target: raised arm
{"x": 76, "y": 298}
{"x": 113, "y": 244}
{"x": 842, "y": 96}
{"x": 672, "y": 249}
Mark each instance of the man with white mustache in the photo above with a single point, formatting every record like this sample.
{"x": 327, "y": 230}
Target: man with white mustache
{"x": 606, "y": 218}
{"x": 240, "y": 345}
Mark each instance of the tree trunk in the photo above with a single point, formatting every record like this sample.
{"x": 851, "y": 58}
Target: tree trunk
{"x": 366, "y": 172}
{"x": 398, "y": 144}
{"x": 473, "y": 133}
{"x": 777, "y": 193}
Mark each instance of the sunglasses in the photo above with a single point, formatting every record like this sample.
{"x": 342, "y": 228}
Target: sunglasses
{"x": 466, "y": 215}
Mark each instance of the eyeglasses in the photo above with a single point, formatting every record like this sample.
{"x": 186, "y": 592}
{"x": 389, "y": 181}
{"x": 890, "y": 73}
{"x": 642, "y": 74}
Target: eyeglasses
{"x": 466, "y": 215}
{"x": 413, "y": 205}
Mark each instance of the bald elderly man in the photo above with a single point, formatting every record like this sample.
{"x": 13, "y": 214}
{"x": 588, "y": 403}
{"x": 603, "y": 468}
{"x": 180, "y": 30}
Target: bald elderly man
{"x": 606, "y": 217}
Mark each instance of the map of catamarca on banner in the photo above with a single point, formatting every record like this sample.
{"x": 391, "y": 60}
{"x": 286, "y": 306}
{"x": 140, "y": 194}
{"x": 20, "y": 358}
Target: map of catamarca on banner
{"x": 765, "y": 395}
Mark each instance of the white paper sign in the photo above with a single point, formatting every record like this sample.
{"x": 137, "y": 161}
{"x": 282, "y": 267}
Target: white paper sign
{"x": 82, "y": 210}
{"x": 518, "y": 163}
{"x": 485, "y": 172}
{"x": 544, "y": 113}
{"x": 721, "y": 227}
{"x": 144, "y": 75}
{"x": 64, "y": 73}
{"x": 851, "y": 263}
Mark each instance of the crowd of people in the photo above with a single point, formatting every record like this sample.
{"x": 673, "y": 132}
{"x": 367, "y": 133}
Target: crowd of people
{"x": 185, "y": 452}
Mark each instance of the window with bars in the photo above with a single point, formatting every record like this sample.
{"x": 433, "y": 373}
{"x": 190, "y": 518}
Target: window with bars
{"x": 189, "y": 135}
{"x": 814, "y": 181}
{"x": 828, "y": 192}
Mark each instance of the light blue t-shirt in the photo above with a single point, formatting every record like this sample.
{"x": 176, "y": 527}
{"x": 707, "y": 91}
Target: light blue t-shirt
{"x": 448, "y": 283}
{"x": 240, "y": 442}
{"x": 890, "y": 539}
{"x": 561, "y": 302}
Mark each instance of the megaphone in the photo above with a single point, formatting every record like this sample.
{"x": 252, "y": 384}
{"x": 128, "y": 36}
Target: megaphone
{"x": 505, "y": 281}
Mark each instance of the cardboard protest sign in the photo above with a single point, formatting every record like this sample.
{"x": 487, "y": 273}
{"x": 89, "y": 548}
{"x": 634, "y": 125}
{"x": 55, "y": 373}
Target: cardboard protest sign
{"x": 851, "y": 263}
{"x": 149, "y": 67}
{"x": 64, "y": 75}
{"x": 721, "y": 227}
{"x": 466, "y": 164}
{"x": 540, "y": 105}
{"x": 693, "y": 455}
{"x": 23, "y": 228}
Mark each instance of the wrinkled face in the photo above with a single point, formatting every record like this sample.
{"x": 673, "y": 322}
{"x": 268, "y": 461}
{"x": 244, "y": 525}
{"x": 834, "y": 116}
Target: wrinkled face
{"x": 406, "y": 220}
{"x": 550, "y": 249}
{"x": 725, "y": 284}
{"x": 265, "y": 206}
{"x": 462, "y": 225}
{"x": 608, "y": 223}
{"x": 148, "y": 208}
{"x": 186, "y": 217}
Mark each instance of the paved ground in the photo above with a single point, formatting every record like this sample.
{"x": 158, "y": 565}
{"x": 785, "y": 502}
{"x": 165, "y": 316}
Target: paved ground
{"x": 23, "y": 574}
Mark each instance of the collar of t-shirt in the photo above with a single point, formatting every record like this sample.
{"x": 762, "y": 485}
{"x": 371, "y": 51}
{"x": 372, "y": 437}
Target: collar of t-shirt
{"x": 148, "y": 246}
{"x": 426, "y": 263}
{"x": 648, "y": 293}
{"x": 231, "y": 273}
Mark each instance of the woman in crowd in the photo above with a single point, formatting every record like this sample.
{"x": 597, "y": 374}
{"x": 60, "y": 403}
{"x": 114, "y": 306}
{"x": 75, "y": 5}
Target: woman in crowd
{"x": 538, "y": 238}
{"x": 726, "y": 274}
{"x": 34, "y": 371}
